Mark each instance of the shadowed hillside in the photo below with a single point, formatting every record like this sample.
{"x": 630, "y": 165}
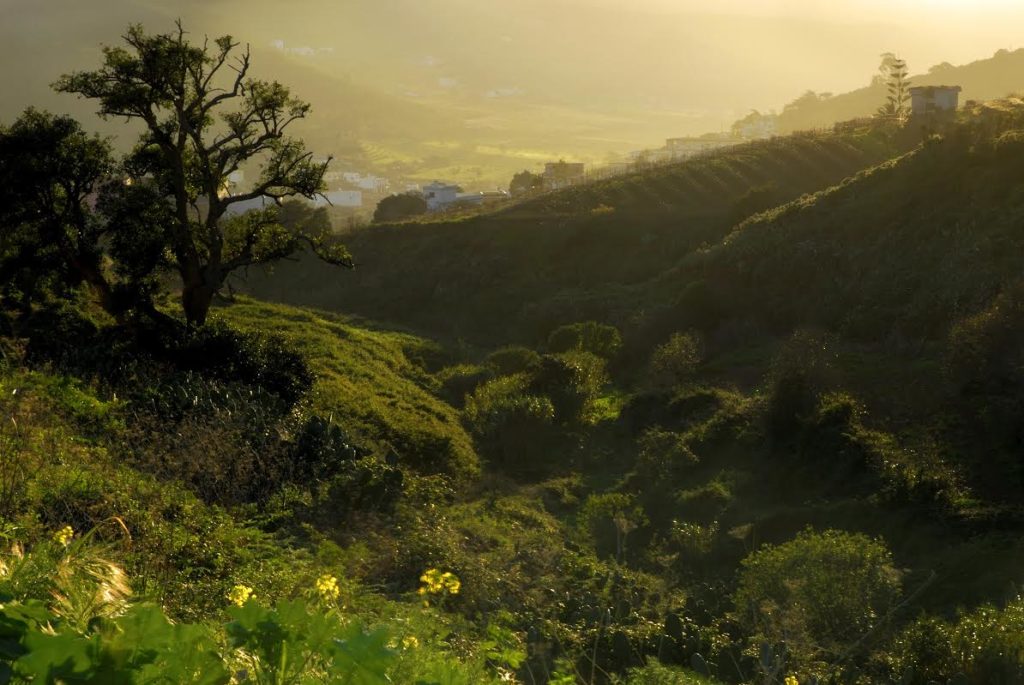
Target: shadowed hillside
{"x": 571, "y": 254}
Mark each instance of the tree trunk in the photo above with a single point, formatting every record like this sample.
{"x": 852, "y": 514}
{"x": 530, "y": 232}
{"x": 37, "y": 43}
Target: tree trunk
{"x": 195, "y": 301}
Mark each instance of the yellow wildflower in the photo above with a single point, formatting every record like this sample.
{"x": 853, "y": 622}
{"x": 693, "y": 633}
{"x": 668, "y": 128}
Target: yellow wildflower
{"x": 327, "y": 588}
{"x": 64, "y": 535}
{"x": 240, "y": 594}
{"x": 437, "y": 583}
{"x": 791, "y": 680}
{"x": 410, "y": 642}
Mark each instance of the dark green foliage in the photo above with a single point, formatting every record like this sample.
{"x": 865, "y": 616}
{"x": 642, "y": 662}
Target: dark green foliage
{"x": 662, "y": 457}
{"x": 263, "y": 360}
{"x": 49, "y": 166}
{"x": 62, "y": 335}
{"x": 401, "y": 206}
{"x": 572, "y": 381}
{"x": 674, "y": 362}
{"x": 985, "y": 645}
{"x": 514, "y": 426}
{"x": 610, "y": 518}
{"x": 589, "y": 336}
{"x": 799, "y": 374}
{"x": 364, "y": 485}
{"x": 512, "y": 360}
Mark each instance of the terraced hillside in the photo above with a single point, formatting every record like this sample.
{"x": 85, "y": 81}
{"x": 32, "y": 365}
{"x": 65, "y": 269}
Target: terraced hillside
{"x": 572, "y": 254}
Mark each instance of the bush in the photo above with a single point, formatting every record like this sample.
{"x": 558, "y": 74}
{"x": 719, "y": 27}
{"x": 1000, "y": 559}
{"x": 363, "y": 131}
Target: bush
{"x": 262, "y": 360}
{"x": 674, "y": 362}
{"x": 986, "y": 645}
{"x": 573, "y": 381}
{"x": 398, "y": 207}
{"x": 609, "y": 518}
{"x": 662, "y": 456}
{"x": 588, "y": 336}
{"x": 800, "y": 373}
{"x": 819, "y": 593}
{"x": 511, "y": 360}
{"x": 514, "y": 426}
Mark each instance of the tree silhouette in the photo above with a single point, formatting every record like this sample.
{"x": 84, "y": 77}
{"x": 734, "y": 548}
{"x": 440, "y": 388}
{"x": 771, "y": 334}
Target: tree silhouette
{"x": 204, "y": 118}
{"x": 894, "y": 73}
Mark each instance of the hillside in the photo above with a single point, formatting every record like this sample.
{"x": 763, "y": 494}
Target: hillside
{"x": 570, "y": 255}
{"x": 985, "y": 79}
{"x": 750, "y": 418}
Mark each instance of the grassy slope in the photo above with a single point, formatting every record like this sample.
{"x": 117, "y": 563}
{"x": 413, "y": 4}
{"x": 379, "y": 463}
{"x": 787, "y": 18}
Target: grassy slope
{"x": 565, "y": 256}
{"x": 373, "y": 382}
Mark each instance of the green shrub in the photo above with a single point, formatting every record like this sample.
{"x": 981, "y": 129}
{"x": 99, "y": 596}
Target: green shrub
{"x": 819, "y": 593}
{"x": 609, "y": 518}
{"x": 512, "y": 360}
{"x": 663, "y": 455}
{"x": 572, "y": 381}
{"x": 799, "y": 374}
{"x": 514, "y": 426}
{"x": 674, "y": 362}
{"x": 588, "y": 336}
{"x": 986, "y": 645}
{"x": 706, "y": 502}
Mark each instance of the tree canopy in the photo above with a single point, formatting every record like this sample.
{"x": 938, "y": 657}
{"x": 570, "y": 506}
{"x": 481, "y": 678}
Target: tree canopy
{"x": 204, "y": 119}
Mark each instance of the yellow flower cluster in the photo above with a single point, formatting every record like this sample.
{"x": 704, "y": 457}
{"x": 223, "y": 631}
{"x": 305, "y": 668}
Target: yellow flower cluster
{"x": 791, "y": 680}
{"x": 410, "y": 642}
{"x": 437, "y": 583}
{"x": 64, "y": 535}
{"x": 327, "y": 588}
{"x": 240, "y": 594}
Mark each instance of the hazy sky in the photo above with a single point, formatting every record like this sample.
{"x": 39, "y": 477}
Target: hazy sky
{"x": 697, "y": 64}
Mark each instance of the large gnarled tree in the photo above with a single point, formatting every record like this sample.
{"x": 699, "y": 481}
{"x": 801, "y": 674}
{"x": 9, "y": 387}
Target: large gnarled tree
{"x": 204, "y": 119}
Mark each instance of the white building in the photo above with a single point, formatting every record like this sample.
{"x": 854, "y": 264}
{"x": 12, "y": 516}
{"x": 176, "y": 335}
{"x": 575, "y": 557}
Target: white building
{"x": 930, "y": 100}
{"x": 439, "y": 195}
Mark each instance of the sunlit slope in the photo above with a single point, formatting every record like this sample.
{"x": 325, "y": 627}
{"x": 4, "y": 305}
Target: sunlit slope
{"x": 373, "y": 383}
{"x": 571, "y": 254}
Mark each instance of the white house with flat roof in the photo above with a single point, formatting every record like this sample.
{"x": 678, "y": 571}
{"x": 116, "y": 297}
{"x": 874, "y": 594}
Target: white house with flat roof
{"x": 439, "y": 195}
